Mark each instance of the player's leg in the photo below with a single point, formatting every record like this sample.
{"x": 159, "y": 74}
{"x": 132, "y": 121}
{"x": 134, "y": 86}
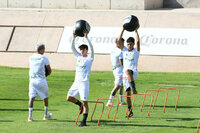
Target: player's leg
{"x": 85, "y": 113}
{"x": 43, "y": 92}
{"x": 131, "y": 80}
{"x": 47, "y": 115}
{"x": 32, "y": 95}
{"x": 30, "y": 117}
{"x": 128, "y": 99}
{"x": 72, "y": 94}
{"x": 122, "y": 102}
{"x": 84, "y": 93}
{"x": 127, "y": 88}
{"x": 112, "y": 94}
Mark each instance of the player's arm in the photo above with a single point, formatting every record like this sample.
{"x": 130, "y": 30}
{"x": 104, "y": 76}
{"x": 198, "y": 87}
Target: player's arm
{"x": 47, "y": 70}
{"x": 137, "y": 38}
{"x": 121, "y": 34}
{"x": 73, "y": 45}
{"x": 90, "y": 45}
{"x": 121, "y": 59}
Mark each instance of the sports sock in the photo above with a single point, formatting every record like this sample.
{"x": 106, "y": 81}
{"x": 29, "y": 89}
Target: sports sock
{"x": 78, "y": 103}
{"x": 111, "y": 97}
{"x": 133, "y": 84}
{"x": 85, "y": 117}
{"x": 30, "y": 112}
{"x": 121, "y": 99}
{"x": 45, "y": 110}
{"x": 129, "y": 108}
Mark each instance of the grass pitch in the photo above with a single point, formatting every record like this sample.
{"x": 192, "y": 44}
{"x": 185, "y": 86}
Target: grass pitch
{"x": 14, "y": 104}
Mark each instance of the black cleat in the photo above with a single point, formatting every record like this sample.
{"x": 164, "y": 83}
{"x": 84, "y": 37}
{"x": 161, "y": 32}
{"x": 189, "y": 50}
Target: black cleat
{"x": 82, "y": 124}
{"x": 131, "y": 115}
{"x": 134, "y": 91}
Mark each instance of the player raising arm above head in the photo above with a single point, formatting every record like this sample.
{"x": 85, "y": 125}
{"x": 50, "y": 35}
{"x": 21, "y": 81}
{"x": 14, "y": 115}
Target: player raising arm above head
{"x": 130, "y": 61}
{"x": 81, "y": 83}
{"x": 117, "y": 64}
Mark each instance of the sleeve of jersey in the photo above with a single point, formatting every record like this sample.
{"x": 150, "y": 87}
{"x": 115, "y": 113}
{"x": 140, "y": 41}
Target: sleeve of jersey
{"x": 91, "y": 49}
{"x": 46, "y": 61}
{"x": 76, "y": 53}
{"x": 121, "y": 56}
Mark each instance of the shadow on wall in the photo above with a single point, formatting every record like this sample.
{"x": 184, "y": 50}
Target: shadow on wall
{"x": 172, "y": 4}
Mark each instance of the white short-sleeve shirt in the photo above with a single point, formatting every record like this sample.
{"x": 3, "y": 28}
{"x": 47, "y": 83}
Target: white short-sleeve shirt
{"x": 37, "y": 64}
{"x": 83, "y": 68}
{"x": 130, "y": 59}
{"x": 116, "y": 55}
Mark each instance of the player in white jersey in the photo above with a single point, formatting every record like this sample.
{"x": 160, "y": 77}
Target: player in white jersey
{"x": 130, "y": 61}
{"x": 117, "y": 63}
{"x": 37, "y": 80}
{"x": 81, "y": 83}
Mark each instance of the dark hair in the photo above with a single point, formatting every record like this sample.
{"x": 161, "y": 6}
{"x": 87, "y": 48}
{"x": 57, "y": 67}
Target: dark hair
{"x": 122, "y": 39}
{"x": 40, "y": 47}
{"x": 130, "y": 39}
{"x": 83, "y": 46}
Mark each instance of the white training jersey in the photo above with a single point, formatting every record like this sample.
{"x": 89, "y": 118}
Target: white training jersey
{"x": 37, "y": 64}
{"x": 83, "y": 68}
{"x": 130, "y": 59}
{"x": 83, "y": 64}
{"x": 116, "y": 55}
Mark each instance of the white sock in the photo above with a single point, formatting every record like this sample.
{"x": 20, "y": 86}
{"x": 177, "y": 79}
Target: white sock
{"x": 111, "y": 97}
{"x": 46, "y": 110}
{"x": 30, "y": 112}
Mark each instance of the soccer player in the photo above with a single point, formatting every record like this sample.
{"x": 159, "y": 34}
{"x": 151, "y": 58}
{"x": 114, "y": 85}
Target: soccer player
{"x": 130, "y": 61}
{"x": 117, "y": 63}
{"x": 37, "y": 80}
{"x": 81, "y": 83}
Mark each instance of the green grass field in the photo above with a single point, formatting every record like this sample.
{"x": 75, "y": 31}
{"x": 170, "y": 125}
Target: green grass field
{"x": 14, "y": 104}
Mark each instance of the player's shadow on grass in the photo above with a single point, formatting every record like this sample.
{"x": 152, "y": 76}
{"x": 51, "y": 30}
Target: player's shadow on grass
{"x": 6, "y": 121}
{"x": 55, "y": 120}
{"x": 142, "y": 125}
{"x": 17, "y": 100}
{"x": 24, "y": 110}
{"x": 161, "y": 106}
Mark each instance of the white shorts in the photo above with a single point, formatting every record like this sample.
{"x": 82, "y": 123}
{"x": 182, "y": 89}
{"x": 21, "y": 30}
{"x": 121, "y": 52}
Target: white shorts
{"x": 118, "y": 74}
{"x": 126, "y": 82}
{"x": 38, "y": 87}
{"x": 79, "y": 88}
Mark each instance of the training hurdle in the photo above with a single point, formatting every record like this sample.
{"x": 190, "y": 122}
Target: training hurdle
{"x": 126, "y": 101}
{"x": 145, "y": 94}
{"x": 109, "y": 109}
{"x": 157, "y": 92}
{"x": 198, "y": 127}
{"x": 170, "y": 89}
{"x": 92, "y": 102}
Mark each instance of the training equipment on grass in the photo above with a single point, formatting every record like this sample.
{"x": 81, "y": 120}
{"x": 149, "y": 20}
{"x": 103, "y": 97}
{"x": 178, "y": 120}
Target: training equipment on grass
{"x": 92, "y": 102}
{"x": 157, "y": 92}
{"x": 109, "y": 109}
{"x": 169, "y": 89}
{"x": 96, "y": 102}
{"x": 80, "y": 27}
{"x": 126, "y": 101}
{"x": 198, "y": 127}
{"x": 144, "y": 100}
{"x": 130, "y": 23}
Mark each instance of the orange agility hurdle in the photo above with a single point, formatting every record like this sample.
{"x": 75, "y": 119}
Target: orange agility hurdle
{"x": 198, "y": 127}
{"x": 126, "y": 101}
{"x": 144, "y": 100}
{"x": 91, "y": 118}
{"x": 171, "y": 89}
{"x": 109, "y": 109}
{"x": 157, "y": 93}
